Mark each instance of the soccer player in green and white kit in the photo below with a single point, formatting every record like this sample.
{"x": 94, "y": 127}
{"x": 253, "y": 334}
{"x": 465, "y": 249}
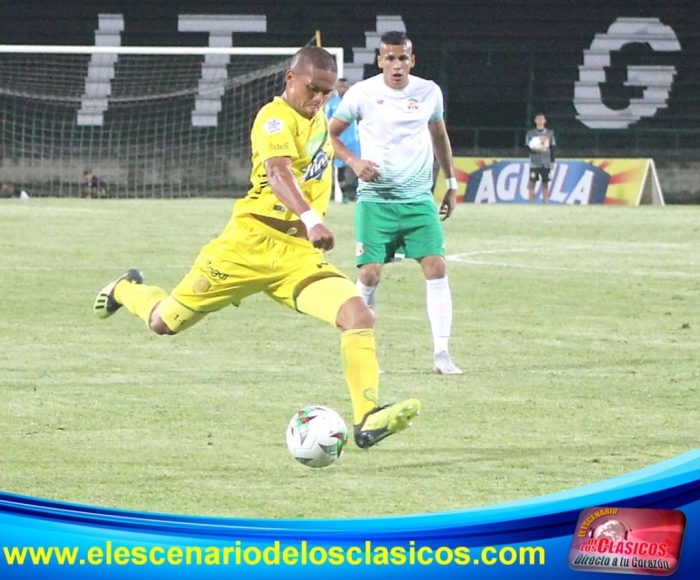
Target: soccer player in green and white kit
{"x": 401, "y": 130}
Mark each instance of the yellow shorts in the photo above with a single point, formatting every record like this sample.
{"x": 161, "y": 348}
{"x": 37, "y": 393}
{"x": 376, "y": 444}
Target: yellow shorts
{"x": 252, "y": 257}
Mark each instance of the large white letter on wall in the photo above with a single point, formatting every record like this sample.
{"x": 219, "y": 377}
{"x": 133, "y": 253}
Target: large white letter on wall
{"x": 98, "y": 83}
{"x": 656, "y": 80}
{"x": 211, "y": 84}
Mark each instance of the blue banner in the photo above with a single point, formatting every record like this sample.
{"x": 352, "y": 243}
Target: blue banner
{"x": 572, "y": 182}
{"x": 554, "y": 536}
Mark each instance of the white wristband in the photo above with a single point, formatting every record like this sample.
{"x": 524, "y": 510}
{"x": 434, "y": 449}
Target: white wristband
{"x": 310, "y": 219}
{"x": 451, "y": 183}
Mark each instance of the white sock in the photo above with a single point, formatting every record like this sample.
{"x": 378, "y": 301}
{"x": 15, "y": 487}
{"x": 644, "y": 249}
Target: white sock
{"x": 439, "y": 304}
{"x": 368, "y": 293}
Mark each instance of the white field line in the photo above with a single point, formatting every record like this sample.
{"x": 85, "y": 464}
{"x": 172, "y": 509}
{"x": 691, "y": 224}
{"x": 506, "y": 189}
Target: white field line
{"x": 470, "y": 258}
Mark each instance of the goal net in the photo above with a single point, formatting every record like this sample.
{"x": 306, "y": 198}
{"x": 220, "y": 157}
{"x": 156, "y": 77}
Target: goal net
{"x": 148, "y": 122}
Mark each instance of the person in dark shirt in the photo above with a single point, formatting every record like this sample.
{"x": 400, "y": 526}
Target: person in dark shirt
{"x": 9, "y": 189}
{"x": 93, "y": 186}
{"x": 540, "y": 141}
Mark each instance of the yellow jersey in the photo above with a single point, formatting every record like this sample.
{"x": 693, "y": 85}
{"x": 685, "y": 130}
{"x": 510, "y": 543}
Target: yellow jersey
{"x": 279, "y": 131}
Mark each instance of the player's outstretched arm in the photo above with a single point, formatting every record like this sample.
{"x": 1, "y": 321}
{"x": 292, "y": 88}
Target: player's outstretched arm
{"x": 443, "y": 152}
{"x": 286, "y": 188}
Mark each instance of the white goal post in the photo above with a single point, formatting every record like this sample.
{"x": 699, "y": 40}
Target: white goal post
{"x": 147, "y": 121}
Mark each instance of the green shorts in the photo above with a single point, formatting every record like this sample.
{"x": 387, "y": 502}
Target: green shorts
{"x": 383, "y": 228}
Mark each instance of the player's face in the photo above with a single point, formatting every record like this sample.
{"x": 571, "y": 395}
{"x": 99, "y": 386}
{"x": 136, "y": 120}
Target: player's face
{"x": 342, "y": 87}
{"x": 307, "y": 90}
{"x": 396, "y": 62}
{"x": 540, "y": 121}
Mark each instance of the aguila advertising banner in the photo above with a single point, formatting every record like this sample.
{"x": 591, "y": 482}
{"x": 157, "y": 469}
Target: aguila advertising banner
{"x": 572, "y": 181}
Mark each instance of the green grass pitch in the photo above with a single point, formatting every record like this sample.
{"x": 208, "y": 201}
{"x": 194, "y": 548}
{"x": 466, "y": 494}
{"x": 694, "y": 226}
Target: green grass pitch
{"x": 577, "y": 327}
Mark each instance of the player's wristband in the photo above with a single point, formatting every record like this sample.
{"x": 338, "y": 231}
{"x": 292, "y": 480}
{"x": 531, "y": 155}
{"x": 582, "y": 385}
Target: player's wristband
{"x": 451, "y": 182}
{"x": 310, "y": 219}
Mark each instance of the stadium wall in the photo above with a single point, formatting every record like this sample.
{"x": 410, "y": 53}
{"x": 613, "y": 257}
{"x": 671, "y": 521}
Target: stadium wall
{"x": 615, "y": 79}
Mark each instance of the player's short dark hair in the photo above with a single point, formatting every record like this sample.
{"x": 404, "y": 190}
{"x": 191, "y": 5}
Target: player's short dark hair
{"x": 539, "y": 113}
{"x": 342, "y": 80}
{"x": 395, "y": 38}
{"x": 314, "y": 56}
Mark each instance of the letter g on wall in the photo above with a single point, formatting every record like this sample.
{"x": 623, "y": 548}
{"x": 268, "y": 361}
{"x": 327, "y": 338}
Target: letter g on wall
{"x": 656, "y": 80}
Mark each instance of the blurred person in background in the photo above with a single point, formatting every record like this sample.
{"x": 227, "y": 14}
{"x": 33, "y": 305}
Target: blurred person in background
{"x": 9, "y": 189}
{"x": 93, "y": 186}
{"x": 346, "y": 180}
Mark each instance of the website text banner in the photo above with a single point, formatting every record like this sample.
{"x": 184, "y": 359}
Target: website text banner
{"x": 583, "y": 182}
{"x": 646, "y": 522}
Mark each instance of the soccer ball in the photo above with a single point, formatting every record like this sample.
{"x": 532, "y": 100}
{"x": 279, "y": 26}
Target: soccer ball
{"x": 316, "y": 436}
{"x": 536, "y": 143}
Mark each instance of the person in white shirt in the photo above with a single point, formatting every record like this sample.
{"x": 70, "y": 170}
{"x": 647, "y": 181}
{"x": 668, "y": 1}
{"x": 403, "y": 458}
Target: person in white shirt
{"x": 402, "y": 130}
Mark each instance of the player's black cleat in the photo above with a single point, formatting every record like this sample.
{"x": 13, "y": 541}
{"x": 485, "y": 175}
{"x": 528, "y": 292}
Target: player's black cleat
{"x": 105, "y": 304}
{"x": 383, "y": 421}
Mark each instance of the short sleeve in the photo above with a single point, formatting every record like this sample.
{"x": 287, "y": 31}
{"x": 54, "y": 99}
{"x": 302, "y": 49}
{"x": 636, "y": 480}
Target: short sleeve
{"x": 350, "y": 108}
{"x": 439, "y": 110}
{"x": 273, "y": 135}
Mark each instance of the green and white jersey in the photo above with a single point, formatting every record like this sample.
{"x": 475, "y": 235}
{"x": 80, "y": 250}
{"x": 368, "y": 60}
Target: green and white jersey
{"x": 393, "y": 130}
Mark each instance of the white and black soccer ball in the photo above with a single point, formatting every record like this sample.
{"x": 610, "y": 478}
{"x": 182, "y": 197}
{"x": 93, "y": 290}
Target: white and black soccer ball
{"x": 316, "y": 436}
{"x": 537, "y": 143}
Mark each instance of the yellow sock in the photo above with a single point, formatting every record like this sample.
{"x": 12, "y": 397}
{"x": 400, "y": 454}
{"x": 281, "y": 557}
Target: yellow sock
{"x": 138, "y": 299}
{"x": 361, "y": 370}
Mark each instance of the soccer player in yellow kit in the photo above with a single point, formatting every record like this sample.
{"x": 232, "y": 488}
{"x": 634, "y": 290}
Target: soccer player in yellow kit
{"x": 274, "y": 243}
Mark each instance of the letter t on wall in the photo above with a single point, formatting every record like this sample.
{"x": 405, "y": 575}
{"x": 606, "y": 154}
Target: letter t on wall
{"x": 98, "y": 83}
{"x": 214, "y": 75}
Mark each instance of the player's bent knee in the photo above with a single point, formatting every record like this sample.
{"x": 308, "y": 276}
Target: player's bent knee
{"x": 370, "y": 274}
{"x": 172, "y": 317}
{"x": 354, "y": 314}
{"x": 157, "y": 325}
{"x": 433, "y": 267}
